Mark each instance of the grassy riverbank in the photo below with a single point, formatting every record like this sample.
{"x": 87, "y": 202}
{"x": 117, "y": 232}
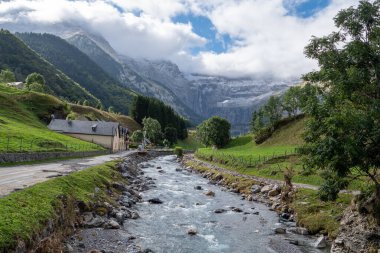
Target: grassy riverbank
{"x": 24, "y": 214}
{"x": 312, "y": 213}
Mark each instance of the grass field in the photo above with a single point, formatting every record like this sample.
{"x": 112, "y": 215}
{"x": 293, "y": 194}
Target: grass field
{"x": 269, "y": 159}
{"x": 22, "y": 128}
{"x": 23, "y": 214}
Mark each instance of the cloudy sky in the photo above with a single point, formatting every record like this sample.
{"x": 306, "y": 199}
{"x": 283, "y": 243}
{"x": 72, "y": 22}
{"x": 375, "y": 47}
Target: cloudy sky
{"x": 233, "y": 38}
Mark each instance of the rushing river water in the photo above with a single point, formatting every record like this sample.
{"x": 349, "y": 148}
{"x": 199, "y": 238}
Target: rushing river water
{"x": 163, "y": 227}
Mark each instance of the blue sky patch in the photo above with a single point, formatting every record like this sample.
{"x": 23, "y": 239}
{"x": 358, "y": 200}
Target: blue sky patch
{"x": 305, "y": 8}
{"x": 203, "y": 26}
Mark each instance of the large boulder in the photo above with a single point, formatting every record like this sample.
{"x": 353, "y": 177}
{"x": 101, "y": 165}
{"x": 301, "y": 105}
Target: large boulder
{"x": 266, "y": 188}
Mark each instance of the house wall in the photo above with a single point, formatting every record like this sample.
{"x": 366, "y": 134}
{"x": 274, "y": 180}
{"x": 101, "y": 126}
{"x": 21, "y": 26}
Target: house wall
{"x": 104, "y": 141}
{"x": 116, "y": 143}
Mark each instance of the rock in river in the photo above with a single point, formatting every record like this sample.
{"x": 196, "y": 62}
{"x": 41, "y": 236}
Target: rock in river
{"x": 210, "y": 193}
{"x": 155, "y": 201}
{"x": 192, "y": 231}
{"x": 320, "y": 243}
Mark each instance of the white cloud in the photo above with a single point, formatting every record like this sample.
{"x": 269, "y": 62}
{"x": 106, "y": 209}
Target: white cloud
{"x": 266, "y": 41}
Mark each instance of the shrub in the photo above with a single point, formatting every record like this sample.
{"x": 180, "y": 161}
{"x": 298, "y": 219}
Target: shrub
{"x": 178, "y": 151}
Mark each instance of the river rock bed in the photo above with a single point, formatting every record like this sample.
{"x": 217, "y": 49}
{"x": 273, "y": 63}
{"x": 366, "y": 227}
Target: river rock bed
{"x": 130, "y": 225}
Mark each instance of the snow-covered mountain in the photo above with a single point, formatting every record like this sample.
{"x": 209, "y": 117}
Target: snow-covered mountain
{"x": 99, "y": 50}
{"x": 231, "y": 98}
{"x": 195, "y": 96}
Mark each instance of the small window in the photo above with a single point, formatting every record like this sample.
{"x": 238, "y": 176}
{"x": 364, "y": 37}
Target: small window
{"x": 94, "y": 127}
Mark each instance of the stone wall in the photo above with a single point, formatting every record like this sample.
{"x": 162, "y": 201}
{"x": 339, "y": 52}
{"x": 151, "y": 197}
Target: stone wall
{"x": 38, "y": 156}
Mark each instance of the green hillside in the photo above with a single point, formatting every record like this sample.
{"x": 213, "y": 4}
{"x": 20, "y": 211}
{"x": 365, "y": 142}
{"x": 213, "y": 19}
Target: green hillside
{"x": 23, "y": 117}
{"x": 289, "y": 134}
{"x": 79, "y": 67}
{"x": 20, "y": 59}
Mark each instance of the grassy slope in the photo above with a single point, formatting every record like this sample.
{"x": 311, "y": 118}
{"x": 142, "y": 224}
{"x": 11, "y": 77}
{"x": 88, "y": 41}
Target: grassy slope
{"x": 190, "y": 143}
{"x": 91, "y": 113}
{"x": 288, "y": 135}
{"x": 79, "y": 67}
{"x": 20, "y": 117}
{"x": 25, "y": 213}
{"x": 19, "y": 58}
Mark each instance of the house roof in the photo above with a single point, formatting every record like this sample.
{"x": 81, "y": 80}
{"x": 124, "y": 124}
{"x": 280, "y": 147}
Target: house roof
{"x": 84, "y": 127}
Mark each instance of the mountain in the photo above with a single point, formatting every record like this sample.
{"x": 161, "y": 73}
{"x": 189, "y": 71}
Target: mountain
{"x": 102, "y": 53}
{"x": 20, "y": 59}
{"x": 232, "y": 98}
{"x": 190, "y": 94}
{"x": 79, "y": 67}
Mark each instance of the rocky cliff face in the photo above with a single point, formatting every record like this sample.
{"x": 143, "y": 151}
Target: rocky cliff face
{"x": 195, "y": 96}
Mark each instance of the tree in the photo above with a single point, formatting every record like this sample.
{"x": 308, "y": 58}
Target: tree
{"x": 35, "y": 78}
{"x": 153, "y": 130}
{"x": 153, "y": 108}
{"x": 137, "y": 136}
{"x": 215, "y": 131}
{"x": 273, "y": 109}
{"x": 37, "y": 87}
{"x": 7, "y": 76}
{"x": 257, "y": 122}
{"x": 170, "y": 134}
{"x": 292, "y": 100}
{"x": 343, "y": 137}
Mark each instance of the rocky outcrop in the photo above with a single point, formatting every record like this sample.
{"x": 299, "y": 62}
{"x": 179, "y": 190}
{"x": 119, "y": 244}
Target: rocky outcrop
{"x": 360, "y": 228}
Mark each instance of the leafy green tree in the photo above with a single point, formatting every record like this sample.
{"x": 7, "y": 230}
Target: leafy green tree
{"x": 137, "y": 136}
{"x": 292, "y": 100}
{"x": 37, "y": 87}
{"x": 35, "y": 78}
{"x": 214, "y": 131}
{"x": 153, "y": 130}
{"x": 170, "y": 134}
{"x": 257, "y": 121}
{"x": 7, "y": 76}
{"x": 343, "y": 137}
{"x": 273, "y": 109}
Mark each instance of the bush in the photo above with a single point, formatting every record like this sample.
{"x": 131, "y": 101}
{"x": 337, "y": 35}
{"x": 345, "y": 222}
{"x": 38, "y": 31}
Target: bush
{"x": 137, "y": 136}
{"x": 178, "y": 151}
{"x": 215, "y": 131}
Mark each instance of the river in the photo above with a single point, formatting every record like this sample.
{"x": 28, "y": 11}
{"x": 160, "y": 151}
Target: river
{"x": 164, "y": 227}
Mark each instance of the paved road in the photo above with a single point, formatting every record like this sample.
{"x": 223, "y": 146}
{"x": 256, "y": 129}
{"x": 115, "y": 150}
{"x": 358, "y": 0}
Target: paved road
{"x": 17, "y": 177}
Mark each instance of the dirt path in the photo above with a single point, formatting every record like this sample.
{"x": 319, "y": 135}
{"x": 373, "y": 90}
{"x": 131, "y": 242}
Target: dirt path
{"x": 18, "y": 177}
{"x": 235, "y": 173}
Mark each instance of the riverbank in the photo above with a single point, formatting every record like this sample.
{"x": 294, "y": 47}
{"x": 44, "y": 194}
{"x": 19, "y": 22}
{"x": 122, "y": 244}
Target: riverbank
{"x": 39, "y": 217}
{"x": 299, "y": 204}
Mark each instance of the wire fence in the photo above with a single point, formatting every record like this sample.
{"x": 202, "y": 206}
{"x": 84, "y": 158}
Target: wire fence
{"x": 19, "y": 144}
{"x": 247, "y": 161}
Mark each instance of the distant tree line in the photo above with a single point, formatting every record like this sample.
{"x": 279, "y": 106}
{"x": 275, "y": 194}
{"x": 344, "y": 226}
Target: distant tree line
{"x": 173, "y": 125}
